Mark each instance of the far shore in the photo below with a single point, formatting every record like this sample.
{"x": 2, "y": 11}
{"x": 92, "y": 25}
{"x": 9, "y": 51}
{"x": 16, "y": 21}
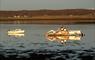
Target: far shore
{"x": 49, "y": 20}
{"x": 65, "y": 16}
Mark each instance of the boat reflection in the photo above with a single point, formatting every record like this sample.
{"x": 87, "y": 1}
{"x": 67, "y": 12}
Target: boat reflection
{"x": 16, "y": 33}
{"x": 62, "y": 35}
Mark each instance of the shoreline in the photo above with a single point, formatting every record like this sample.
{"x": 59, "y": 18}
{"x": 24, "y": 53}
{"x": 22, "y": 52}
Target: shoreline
{"x": 47, "y": 20}
{"x": 64, "y": 16}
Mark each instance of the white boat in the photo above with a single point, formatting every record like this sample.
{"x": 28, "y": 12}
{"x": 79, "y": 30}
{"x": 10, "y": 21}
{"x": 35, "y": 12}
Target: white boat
{"x": 16, "y": 33}
{"x": 62, "y": 35}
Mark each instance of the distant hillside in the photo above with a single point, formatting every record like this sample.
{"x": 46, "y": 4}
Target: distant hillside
{"x": 44, "y": 12}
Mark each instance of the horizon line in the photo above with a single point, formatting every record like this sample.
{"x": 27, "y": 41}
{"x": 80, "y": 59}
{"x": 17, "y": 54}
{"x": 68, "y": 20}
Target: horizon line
{"x": 45, "y": 9}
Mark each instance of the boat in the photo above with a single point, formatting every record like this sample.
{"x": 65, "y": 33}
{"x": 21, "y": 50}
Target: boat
{"x": 16, "y": 33}
{"x": 63, "y": 35}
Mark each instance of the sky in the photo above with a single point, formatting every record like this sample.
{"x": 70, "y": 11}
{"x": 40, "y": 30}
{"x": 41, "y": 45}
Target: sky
{"x": 45, "y": 4}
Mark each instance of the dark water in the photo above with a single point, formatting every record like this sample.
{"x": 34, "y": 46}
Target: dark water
{"x": 35, "y": 41}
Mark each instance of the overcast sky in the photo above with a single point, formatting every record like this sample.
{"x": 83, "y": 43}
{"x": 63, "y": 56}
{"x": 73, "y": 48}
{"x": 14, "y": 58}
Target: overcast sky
{"x": 45, "y": 4}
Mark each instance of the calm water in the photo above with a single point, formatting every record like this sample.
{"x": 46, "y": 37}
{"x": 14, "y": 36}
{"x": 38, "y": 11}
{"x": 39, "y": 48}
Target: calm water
{"x": 35, "y": 34}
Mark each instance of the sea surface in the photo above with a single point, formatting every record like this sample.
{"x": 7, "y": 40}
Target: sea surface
{"x": 35, "y": 41}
